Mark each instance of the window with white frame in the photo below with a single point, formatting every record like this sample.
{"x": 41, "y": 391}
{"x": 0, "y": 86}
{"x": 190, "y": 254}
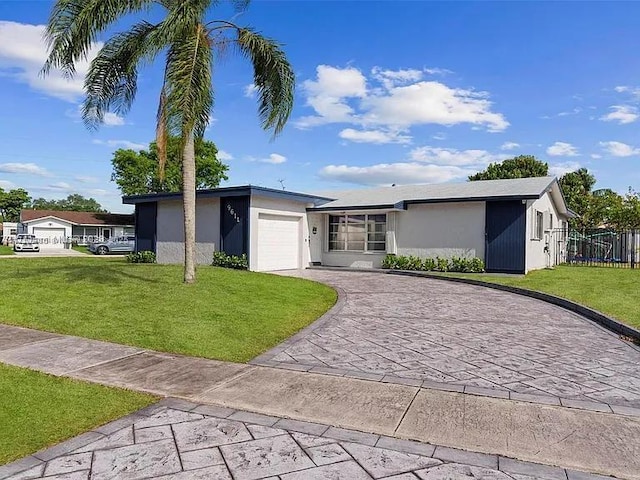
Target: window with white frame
{"x": 358, "y": 233}
{"x": 538, "y": 225}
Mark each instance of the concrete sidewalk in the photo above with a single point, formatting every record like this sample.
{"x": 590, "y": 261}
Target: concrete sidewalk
{"x": 605, "y": 443}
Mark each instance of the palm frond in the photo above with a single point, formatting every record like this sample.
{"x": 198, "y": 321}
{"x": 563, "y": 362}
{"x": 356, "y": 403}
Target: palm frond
{"x": 188, "y": 84}
{"x": 111, "y": 83}
{"x": 273, "y": 77}
{"x": 74, "y": 26}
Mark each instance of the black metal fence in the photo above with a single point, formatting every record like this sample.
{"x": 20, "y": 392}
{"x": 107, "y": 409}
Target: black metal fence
{"x": 602, "y": 247}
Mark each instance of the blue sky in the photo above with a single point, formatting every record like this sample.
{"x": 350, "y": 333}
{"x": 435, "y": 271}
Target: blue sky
{"x": 387, "y": 92}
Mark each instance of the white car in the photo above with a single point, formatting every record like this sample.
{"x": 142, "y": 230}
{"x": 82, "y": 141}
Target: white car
{"x": 26, "y": 243}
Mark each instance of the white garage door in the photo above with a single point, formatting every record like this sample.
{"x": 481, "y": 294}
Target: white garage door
{"x": 278, "y": 242}
{"x": 50, "y": 237}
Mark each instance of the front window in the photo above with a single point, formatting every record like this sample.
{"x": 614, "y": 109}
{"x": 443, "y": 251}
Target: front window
{"x": 357, "y": 233}
{"x": 538, "y": 226}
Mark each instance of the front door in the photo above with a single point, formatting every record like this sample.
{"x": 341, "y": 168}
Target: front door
{"x": 106, "y": 233}
{"x": 234, "y": 222}
{"x": 505, "y": 236}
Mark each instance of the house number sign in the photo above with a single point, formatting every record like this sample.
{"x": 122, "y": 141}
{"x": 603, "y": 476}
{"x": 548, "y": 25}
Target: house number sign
{"x": 233, "y": 213}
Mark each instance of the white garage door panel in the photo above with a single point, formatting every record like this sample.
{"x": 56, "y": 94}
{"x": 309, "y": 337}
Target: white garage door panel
{"x": 50, "y": 237}
{"x": 278, "y": 242}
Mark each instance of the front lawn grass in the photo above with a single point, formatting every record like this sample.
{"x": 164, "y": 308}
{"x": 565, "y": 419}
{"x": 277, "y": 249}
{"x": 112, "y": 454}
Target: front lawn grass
{"x": 6, "y": 250}
{"x": 81, "y": 249}
{"x": 612, "y": 291}
{"x": 227, "y": 315}
{"x": 38, "y": 410}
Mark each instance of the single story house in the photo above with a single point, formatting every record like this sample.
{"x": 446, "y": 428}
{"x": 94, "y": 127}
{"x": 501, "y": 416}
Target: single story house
{"x": 52, "y": 227}
{"x": 514, "y": 225}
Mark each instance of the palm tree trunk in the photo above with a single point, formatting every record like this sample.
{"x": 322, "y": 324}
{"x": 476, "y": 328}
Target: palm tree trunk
{"x": 189, "y": 207}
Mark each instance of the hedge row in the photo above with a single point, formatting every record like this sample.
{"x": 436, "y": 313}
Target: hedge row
{"x": 437, "y": 264}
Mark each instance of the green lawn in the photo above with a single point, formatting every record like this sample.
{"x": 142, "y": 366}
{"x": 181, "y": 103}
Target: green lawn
{"x": 227, "y": 315}
{"x": 6, "y": 250}
{"x": 39, "y": 410}
{"x": 612, "y": 291}
{"x": 81, "y": 249}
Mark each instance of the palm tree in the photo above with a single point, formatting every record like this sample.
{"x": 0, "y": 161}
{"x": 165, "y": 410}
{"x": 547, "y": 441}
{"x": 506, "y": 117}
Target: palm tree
{"x": 191, "y": 44}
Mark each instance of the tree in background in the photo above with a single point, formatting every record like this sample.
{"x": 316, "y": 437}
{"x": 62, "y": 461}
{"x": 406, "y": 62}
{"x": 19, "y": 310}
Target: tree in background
{"x": 137, "y": 173}
{"x": 189, "y": 42}
{"x": 522, "y": 166}
{"x": 626, "y": 211}
{"x": 577, "y": 190}
{"x": 74, "y": 203}
{"x": 11, "y": 202}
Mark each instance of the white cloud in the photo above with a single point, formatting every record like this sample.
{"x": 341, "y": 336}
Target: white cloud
{"x": 622, "y": 114}
{"x": 24, "y": 168}
{"x": 85, "y": 179}
{"x": 619, "y": 149}
{"x": 634, "y": 91}
{"x": 509, "y": 146}
{"x": 575, "y": 111}
{"x": 374, "y": 136}
{"x": 560, "y": 169}
{"x": 58, "y": 187}
{"x": 596, "y": 155}
{"x": 391, "y": 78}
{"x": 440, "y": 136}
{"x": 121, "y": 144}
{"x": 274, "y": 158}
{"x": 6, "y": 185}
{"x": 402, "y": 100}
{"x": 453, "y": 157}
{"x": 250, "y": 90}
{"x": 113, "y": 120}
{"x": 431, "y": 102}
{"x": 224, "y": 156}
{"x": 388, "y": 173}
{"x": 438, "y": 71}
{"x": 562, "y": 149}
{"x": 23, "y": 52}
{"x": 110, "y": 119}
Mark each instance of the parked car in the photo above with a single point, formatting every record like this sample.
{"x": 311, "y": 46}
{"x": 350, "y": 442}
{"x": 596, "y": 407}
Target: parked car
{"x": 26, "y": 243}
{"x": 124, "y": 244}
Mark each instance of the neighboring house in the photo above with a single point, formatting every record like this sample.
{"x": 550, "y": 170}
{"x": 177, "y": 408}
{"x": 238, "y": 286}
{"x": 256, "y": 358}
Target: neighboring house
{"x": 513, "y": 225}
{"x": 8, "y": 231}
{"x": 52, "y": 227}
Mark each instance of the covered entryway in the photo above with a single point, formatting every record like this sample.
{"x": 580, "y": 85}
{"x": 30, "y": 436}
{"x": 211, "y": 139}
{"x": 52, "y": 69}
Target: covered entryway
{"x": 50, "y": 237}
{"x": 278, "y": 242}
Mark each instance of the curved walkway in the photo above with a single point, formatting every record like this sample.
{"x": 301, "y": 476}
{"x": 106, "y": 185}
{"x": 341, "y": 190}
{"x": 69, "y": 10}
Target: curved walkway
{"x": 422, "y": 331}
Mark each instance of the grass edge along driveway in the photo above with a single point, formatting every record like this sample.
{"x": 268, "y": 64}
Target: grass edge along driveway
{"x": 227, "y": 315}
{"x": 612, "y": 291}
{"x": 38, "y": 410}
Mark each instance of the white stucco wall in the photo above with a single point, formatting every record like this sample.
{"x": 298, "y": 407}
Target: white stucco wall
{"x": 271, "y": 206}
{"x": 442, "y": 229}
{"x": 170, "y": 231}
{"x": 537, "y": 258}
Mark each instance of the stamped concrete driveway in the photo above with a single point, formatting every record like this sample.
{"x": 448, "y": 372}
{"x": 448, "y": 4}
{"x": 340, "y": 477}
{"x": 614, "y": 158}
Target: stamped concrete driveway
{"x": 405, "y": 329}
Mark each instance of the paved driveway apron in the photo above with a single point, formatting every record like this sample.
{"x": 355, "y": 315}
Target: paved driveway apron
{"x": 408, "y": 328}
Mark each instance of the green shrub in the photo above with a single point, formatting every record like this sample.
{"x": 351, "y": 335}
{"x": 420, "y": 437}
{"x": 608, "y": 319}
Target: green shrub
{"x": 144, "y": 256}
{"x": 221, "y": 259}
{"x": 437, "y": 264}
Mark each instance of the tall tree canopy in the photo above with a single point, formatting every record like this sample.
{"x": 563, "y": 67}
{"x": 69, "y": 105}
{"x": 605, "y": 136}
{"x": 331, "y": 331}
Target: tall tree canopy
{"x": 188, "y": 42}
{"x": 137, "y": 173}
{"x": 577, "y": 190}
{"x": 522, "y": 166}
{"x": 11, "y": 202}
{"x": 74, "y": 202}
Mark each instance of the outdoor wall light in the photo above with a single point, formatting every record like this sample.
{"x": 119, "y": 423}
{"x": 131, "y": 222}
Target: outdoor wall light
{"x": 314, "y": 230}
